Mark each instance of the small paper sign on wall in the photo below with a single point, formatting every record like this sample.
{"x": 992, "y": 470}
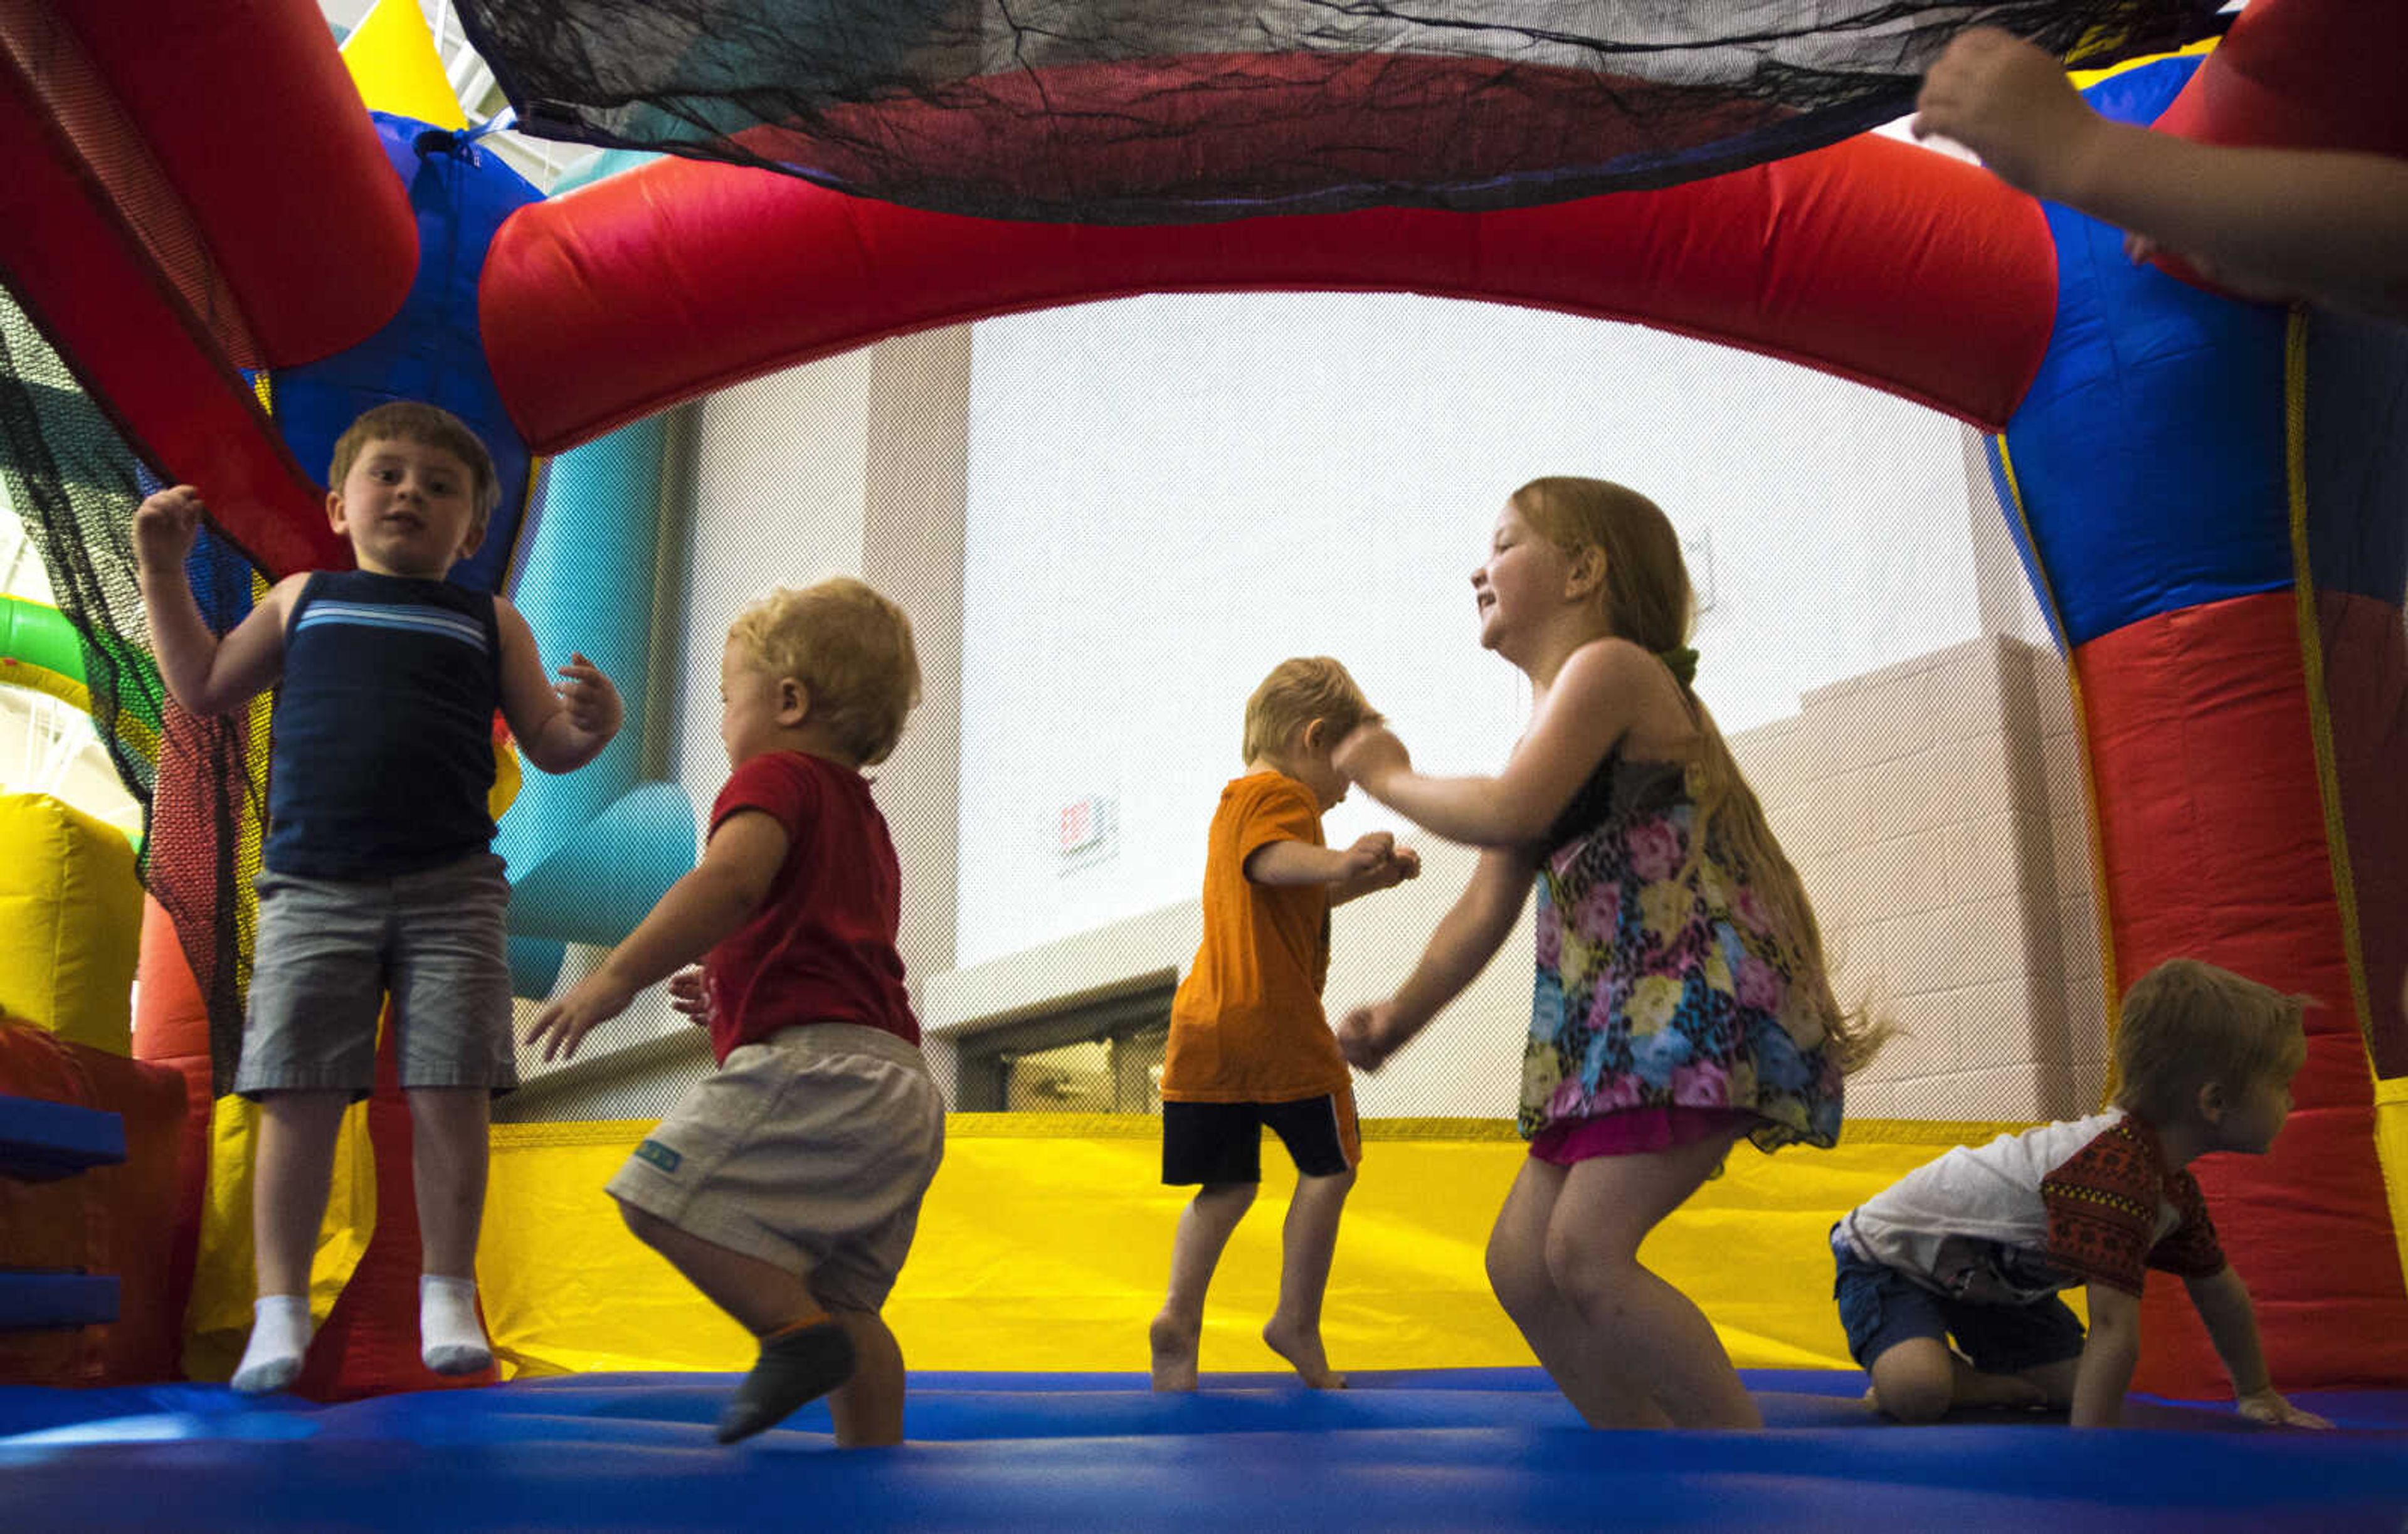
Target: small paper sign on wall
{"x": 1089, "y": 831}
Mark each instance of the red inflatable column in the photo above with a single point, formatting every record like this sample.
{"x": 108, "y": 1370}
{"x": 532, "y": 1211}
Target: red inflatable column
{"x": 370, "y": 1344}
{"x": 171, "y": 1030}
{"x": 2212, "y": 834}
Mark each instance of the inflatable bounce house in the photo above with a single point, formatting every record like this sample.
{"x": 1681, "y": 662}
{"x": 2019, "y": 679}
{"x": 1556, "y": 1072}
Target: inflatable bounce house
{"x": 222, "y": 237}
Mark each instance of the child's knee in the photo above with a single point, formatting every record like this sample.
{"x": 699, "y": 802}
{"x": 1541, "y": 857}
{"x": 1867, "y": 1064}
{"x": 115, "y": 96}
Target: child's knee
{"x": 1914, "y": 1385}
{"x": 1339, "y": 1183}
{"x": 314, "y": 1114}
{"x": 1518, "y": 1276}
{"x": 1915, "y": 1401}
{"x": 1584, "y": 1270}
{"x": 1228, "y": 1199}
{"x": 2055, "y": 1382}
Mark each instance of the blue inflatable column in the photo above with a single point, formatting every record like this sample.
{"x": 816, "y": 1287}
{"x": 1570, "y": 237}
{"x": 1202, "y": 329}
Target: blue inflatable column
{"x": 590, "y": 851}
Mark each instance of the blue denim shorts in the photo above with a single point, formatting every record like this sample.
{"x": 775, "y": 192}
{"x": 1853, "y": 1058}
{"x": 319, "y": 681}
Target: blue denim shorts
{"x": 1881, "y": 1307}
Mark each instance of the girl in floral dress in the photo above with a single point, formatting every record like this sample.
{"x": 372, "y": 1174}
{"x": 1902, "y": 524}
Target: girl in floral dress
{"x": 1681, "y": 1001}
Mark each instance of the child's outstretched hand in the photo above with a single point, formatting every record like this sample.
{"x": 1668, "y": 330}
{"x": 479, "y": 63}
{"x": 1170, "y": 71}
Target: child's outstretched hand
{"x": 165, "y": 526}
{"x": 2268, "y": 1406}
{"x": 1388, "y": 866}
{"x": 1368, "y": 754}
{"x": 561, "y": 1026}
{"x": 593, "y": 703}
{"x": 2010, "y": 103}
{"x": 1369, "y": 854}
{"x": 687, "y": 995}
{"x": 1367, "y": 1036}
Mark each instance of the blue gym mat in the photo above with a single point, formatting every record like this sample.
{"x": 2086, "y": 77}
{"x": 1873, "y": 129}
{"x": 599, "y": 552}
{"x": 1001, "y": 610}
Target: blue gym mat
{"x": 1469, "y": 1449}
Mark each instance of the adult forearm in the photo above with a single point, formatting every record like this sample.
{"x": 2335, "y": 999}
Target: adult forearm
{"x": 1461, "y": 947}
{"x": 2326, "y": 224}
{"x": 1472, "y": 812}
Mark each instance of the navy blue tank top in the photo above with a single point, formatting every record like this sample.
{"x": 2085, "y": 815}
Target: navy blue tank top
{"x": 383, "y": 747}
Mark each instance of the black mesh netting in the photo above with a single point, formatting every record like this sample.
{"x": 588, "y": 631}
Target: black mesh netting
{"x": 75, "y": 484}
{"x": 1174, "y": 111}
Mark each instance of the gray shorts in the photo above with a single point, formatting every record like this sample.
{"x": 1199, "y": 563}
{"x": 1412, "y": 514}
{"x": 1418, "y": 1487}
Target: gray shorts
{"x": 811, "y": 1152}
{"x": 330, "y": 949}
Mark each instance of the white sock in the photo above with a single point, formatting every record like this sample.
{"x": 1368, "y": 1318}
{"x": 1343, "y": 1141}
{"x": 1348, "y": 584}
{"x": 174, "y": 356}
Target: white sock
{"x": 449, "y": 1337}
{"x": 279, "y": 1336}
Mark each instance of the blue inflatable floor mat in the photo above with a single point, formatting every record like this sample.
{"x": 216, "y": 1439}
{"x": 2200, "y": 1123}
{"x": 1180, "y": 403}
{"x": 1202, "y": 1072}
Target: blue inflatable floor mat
{"x": 1489, "y": 1449}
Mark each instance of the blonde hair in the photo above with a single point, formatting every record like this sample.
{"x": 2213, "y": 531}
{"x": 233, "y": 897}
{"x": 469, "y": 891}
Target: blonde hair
{"x": 428, "y": 426}
{"x": 1647, "y": 599}
{"x": 1297, "y": 693}
{"x": 852, "y": 650}
{"x": 2186, "y": 1024}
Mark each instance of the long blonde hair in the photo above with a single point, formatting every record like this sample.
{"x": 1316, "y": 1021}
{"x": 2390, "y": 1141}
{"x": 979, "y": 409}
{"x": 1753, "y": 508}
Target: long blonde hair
{"x": 1647, "y": 599}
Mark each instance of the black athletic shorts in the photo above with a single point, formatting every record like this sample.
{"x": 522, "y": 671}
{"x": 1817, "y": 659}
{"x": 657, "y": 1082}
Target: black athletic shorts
{"x": 1223, "y": 1141}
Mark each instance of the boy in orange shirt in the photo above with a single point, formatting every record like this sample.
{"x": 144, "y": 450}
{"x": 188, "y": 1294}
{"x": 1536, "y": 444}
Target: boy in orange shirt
{"x": 1249, "y": 1043}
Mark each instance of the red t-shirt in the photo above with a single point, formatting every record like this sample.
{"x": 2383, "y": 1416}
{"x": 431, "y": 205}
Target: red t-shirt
{"x": 821, "y": 947}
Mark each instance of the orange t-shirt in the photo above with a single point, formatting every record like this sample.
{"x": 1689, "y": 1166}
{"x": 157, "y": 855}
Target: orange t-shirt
{"x": 1247, "y": 1025}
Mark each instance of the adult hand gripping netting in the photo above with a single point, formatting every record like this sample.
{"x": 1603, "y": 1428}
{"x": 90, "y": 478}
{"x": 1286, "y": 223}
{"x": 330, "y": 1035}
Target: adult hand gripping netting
{"x": 1137, "y": 111}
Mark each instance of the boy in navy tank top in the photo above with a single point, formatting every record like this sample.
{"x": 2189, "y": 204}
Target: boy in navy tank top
{"x": 788, "y": 1184}
{"x": 379, "y": 876}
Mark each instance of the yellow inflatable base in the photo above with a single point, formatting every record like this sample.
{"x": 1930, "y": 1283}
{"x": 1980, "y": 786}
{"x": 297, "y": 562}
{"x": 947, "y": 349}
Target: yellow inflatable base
{"x": 217, "y": 1318}
{"x": 1045, "y": 1245}
{"x": 2391, "y": 1153}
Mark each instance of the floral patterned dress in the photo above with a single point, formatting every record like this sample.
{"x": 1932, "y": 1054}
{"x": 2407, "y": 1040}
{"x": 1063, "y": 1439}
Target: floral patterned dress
{"x": 1654, "y": 989}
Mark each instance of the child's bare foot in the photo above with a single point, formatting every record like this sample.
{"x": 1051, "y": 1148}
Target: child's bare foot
{"x": 1971, "y": 1388}
{"x": 1301, "y": 1347}
{"x": 1174, "y": 1353}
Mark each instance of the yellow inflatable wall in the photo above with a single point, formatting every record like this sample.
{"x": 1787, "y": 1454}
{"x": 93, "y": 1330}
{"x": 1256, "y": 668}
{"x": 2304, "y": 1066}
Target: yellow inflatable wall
{"x": 70, "y": 922}
{"x": 1045, "y": 1245}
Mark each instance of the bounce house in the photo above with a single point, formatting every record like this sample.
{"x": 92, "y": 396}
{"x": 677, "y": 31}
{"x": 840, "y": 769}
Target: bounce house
{"x": 222, "y": 237}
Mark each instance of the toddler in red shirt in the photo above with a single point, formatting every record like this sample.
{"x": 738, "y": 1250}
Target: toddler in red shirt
{"x": 788, "y": 1184}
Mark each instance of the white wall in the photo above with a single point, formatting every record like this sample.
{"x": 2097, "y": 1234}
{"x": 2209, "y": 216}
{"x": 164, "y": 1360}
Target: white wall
{"x": 778, "y": 481}
{"x": 1167, "y": 496}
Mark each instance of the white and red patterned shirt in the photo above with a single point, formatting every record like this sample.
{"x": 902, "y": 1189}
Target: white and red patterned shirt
{"x": 2088, "y": 1201}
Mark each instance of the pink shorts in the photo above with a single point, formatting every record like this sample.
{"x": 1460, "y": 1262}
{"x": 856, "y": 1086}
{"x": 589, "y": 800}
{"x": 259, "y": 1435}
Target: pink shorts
{"x": 1634, "y": 1132}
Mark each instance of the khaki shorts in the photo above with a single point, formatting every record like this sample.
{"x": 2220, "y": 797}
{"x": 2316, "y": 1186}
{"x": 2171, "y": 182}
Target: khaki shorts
{"x": 811, "y": 1152}
{"x": 329, "y": 951}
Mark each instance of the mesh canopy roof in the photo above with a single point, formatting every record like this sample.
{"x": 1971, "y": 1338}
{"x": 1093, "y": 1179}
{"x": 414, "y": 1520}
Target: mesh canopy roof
{"x": 75, "y": 483}
{"x": 1169, "y": 111}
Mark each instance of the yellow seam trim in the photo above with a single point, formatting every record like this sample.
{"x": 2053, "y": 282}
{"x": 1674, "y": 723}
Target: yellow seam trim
{"x": 2111, "y": 993}
{"x": 2311, "y": 665}
{"x": 258, "y": 716}
{"x": 533, "y": 1137}
{"x": 2085, "y": 79}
